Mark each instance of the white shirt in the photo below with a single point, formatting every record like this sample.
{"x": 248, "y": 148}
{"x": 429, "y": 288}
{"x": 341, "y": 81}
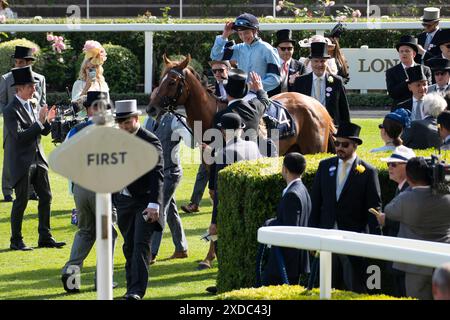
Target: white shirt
{"x": 289, "y": 185}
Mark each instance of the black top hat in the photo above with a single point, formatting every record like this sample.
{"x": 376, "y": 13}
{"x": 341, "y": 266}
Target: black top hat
{"x": 442, "y": 37}
{"x": 415, "y": 74}
{"x": 284, "y": 35}
{"x": 23, "y": 53}
{"x": 23, "y": 76}
{"x": 231, "y": 120}
{"x": 236, "y": 86}
{"x": 95, "y": 96}
{"x": 350, "y": 131}
{"x": 337, "y": 31}
{"x": 439, "y": 64}
{"x": 319, "y": 50}
{"x": 409, "y": 41}
{"x": 246, "y": 21}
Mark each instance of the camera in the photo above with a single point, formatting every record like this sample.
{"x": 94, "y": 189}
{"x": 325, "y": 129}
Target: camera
{"x": 439, "y": 173}
{"x": 65, "y": 119}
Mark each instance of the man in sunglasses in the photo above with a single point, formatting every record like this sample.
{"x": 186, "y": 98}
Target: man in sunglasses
{"x": 253, "y": 54}
{"x": 344, "y": 189}
{"x": 397, "y": 172}
{"x": 441, "y": 72}
{"x": 220, "y": 71}
{"x": 427, "y": 45}
{"x": 290, "y": 68}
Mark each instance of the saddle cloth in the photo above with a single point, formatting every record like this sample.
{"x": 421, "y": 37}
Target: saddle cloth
{"x": 277, "y": 117}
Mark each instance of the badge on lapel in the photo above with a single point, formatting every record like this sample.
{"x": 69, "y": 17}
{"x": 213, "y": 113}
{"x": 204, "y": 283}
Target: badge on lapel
{"x": 332, "y": 171}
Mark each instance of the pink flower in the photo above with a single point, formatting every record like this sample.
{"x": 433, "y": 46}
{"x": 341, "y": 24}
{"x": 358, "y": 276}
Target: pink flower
{"x": 297, "y": 12}
{"x": 50, "y": 37}
{"x": 356, "y": 14}
{"x": 278, "y": 8}
{"x": 33, "y": 50}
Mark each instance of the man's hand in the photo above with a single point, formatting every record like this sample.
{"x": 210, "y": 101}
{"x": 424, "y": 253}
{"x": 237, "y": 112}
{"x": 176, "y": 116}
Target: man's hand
{"x": 381, "y": 218}
{"x": 255, "y": 82}
{"x": 212, "y": 229}
{"x": 294, "y": 76}
{"x": 43, "y": 113}
{"x": 152, "y": 215}
{"x": 421, "y": 50}
{"x": 228, "y": 29}
{"x": 51, "y": 115}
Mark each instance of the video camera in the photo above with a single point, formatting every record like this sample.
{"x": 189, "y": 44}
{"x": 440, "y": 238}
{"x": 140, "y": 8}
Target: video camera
{"x": 439, "y": 174}
{"x": 65, "y": 119}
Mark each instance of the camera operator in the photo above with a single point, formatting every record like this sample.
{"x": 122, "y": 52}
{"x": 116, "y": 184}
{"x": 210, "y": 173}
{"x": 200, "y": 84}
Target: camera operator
{"x": 423, "y": 215}
{"x": 85, "y": 203}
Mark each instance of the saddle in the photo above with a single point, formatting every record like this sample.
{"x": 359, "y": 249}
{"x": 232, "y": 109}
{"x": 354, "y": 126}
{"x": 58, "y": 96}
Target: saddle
{"x": 277, "y": 117}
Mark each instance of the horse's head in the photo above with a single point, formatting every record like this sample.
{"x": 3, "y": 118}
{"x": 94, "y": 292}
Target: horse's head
{"x": 172, "y": 90}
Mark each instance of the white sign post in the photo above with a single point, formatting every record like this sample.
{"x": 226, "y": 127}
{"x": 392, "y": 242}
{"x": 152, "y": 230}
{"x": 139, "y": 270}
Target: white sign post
{"x": 103, "y": 159}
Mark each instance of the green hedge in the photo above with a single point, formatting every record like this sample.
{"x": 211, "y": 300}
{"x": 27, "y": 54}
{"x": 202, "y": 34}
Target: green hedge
{"x": 369, "y": 100}
{"x": 7, "y": 49}
{"x": 286, "y": 292}
{"x": 249, "y": 194}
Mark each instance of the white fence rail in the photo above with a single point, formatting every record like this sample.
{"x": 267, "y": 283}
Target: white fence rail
{"x": 72, "y": 26}
{"x": 424, "y": 253}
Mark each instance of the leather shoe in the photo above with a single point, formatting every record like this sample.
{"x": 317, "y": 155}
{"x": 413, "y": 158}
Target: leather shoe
{"x": 212, "y": 289}
{"x": 33, "y": 196}
{"x": 19, "y": 246}
{"x": 64, "y": 279}
{"x": 9, "y": 198}
{"x": 179, "y": 255}
{"x": 132, "y": 296}
{"x": 205, "y": 264}
{"x": 50, "y": 243}
{"x": 191, "y": 207}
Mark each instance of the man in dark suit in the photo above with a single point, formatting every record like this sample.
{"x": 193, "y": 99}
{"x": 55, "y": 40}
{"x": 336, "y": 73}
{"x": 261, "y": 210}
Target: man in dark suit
{"x": 139, "y": 207}
{"x": 294, "y": 210}
{"x": 443, "y": 121}
{"x": 220, "y": 71}
{"x": 443, "y": 41}
{"x": 427, "y": 39}
{"x": 417, "y": 84}
{"x": 423, "y": 215}
{"x": 25, "y": 122}
{"x": 328, "y": 89}
{"x": 396, "y": 76}
{"x": 344, "y": 188}
{"x": 291, "y": 69}
{"x": 23, "y": 56}
{"x": 441, "y": 72}
{"x": 397, "y": 173}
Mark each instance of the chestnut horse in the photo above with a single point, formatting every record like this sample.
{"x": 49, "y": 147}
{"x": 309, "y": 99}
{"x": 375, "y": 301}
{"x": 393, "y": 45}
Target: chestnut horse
{"x": 180, "y": 85}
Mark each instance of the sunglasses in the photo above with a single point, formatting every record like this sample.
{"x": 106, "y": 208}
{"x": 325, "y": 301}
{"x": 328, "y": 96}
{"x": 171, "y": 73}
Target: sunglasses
{"x": 447, "y": 46}
{"x": 343, "y": 144}
{"x": 427, "y": 24}
{"x": 218, "y": 70}
{"x": 286, "y": 48}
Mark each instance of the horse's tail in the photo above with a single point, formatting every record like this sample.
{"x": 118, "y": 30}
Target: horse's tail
{"x": 331, "y": 130}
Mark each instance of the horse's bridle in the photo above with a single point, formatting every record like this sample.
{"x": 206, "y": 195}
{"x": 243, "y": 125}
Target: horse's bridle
{"x": 170, "y": 103}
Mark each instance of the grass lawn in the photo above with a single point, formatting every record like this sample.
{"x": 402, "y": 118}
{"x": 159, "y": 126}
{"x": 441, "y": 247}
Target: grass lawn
{"x": 36, "y": 274}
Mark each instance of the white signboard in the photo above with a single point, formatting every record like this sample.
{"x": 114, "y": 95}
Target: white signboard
{"x": 103, "y": 159}
{"x": 368, "y": 67}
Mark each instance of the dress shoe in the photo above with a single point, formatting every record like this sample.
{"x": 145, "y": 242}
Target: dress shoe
{"x": 33, "y": 196}
{"x": 64, "y": 279}
{"x": 50, "y": 243}
{"x": 212, "y": 289}
{"x": 179, "y": 255}
{"x": 205, "y": 264}
{"x": 132, "y": 296}
{"x": 20, "y": 246}
{"x": 191, "y": 207}
{"x": 9, "y": 198}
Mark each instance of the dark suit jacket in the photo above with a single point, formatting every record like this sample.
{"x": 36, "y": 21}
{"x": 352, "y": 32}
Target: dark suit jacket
{"x": 336, "y": 103}
{"x": 391, "y": 227}
{"x": 22, "y": 139}
{"x": 433, "y": 49}
{"x": 422, "y": 134}
{"x": 396, "y": 83}
{"x": 149, "y": 187}
{"x": 360, "y": 192}
{"x": 294, "y": 66}
{"x": 294, "y": 210}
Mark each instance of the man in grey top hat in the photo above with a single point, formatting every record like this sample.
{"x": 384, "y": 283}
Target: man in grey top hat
{"x": 428, "y": 38}
{"x": 23, "y": 56}
{"x": 139, "y": 206}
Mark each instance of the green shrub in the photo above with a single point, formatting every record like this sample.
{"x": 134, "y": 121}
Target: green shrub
{"x": 7, "y": 49}
{"x": 369, "y": 100}
{"x": 197, "y": 66}
{"x": 121, "y": 68}
{"x": 249, "y": 194}
{"x": 286, "y": 292}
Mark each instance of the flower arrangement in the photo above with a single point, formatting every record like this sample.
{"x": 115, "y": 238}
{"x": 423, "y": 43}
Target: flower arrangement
{"x": 93, "y": 50}
{"x": 360, "y": 168}
{"x": 58, "y": 44}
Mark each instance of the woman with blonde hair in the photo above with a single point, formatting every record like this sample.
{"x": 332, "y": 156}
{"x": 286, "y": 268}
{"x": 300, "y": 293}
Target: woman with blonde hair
{"x": 5, "y": 10}
{"x": 90, "y": 77}
{"x": 330, "y": 65}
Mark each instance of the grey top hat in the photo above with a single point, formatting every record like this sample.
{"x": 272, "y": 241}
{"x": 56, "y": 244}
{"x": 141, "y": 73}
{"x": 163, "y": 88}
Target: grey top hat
{"x": 126, "y": 108}
{"x": 431, "y": 14}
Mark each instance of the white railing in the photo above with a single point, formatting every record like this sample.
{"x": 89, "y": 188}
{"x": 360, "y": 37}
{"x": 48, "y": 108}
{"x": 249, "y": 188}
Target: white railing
{"x": 149, "y": 29}
{"x": 423, "y": 253}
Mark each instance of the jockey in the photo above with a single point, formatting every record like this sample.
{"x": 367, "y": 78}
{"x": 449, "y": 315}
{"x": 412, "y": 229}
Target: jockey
{"x": 252, "y": 54}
